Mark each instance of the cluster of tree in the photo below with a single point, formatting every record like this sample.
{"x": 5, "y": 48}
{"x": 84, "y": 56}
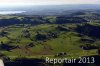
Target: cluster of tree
{"x": 49, "y": 35}
{"x": 64, "y": 20}
{"x": 10, "y": 21}
{"x": 3, "y": 33}
{"x": 89, "y": 30}
{"x": 62, "y": 28}
{"x": 13, "y": 21}
{"x": 30, "y": 45}
{"x": 92, "y": 33}
{"x": 26, "y": 33}
{"x": 6, "y": 47}
{"x": 61, "y": 54}
{"x": 87, "y": 15}
{"x": 87, "y": 40}
{"x": 88, "y": 47}
{"x": 41, "y": 20}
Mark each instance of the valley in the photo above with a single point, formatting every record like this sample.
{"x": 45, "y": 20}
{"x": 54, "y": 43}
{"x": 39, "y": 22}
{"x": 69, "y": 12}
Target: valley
{"x": 74, "y": 35}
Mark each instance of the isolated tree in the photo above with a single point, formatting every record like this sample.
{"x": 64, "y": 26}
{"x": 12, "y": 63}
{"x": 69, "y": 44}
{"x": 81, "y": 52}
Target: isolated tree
{"x": 3, "y": 33}
{"x": 26, "y": 33}
{"x": 40, "y": 36}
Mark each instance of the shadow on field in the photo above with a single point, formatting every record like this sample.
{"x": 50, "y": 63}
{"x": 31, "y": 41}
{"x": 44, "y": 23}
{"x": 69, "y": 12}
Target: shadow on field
{"x": 40, "y": 62}
{"x": 25, "y": 62}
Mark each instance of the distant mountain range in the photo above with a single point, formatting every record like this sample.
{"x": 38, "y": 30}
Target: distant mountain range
{"x": 51, "y": 9}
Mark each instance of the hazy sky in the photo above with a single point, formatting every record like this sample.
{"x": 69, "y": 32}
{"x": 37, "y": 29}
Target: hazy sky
{"x": 45, "y": 2}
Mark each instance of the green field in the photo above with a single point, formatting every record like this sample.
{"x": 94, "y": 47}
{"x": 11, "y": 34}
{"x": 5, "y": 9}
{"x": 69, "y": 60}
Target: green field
{"x": 67, "y": 41}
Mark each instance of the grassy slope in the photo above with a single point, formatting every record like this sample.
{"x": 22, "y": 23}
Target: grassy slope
{"x": 47, "y": 48}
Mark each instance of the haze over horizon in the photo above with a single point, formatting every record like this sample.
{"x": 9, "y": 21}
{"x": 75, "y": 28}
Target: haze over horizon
{"x": 45, "y": 2}
{"x": 30, "y": 6}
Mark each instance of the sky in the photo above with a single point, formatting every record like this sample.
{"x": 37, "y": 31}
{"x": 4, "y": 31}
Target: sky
{"x": 47, "y": 2}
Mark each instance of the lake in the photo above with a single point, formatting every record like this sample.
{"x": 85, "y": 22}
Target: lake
{"x": 10, "y": 12}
